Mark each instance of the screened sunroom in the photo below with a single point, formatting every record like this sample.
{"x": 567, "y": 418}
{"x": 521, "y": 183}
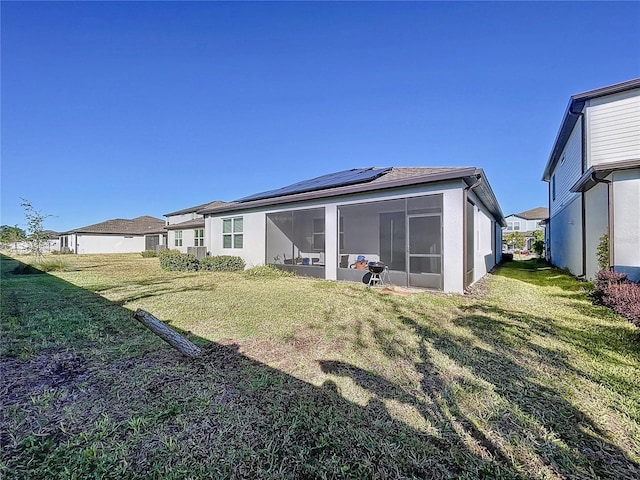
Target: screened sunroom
{"x": 405, "y": 234}
{"x": 295, "y": 241}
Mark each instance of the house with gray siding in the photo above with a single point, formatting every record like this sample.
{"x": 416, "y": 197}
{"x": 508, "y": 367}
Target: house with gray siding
{"x": 438, "y": 228}
{"x": 593, "y": 173}
{"x": 526, "y": 223}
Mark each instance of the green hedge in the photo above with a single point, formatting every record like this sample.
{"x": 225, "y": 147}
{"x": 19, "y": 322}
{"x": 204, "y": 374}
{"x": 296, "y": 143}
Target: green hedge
{"x": 175, "y": 261}
{"x": 222, "y": 263}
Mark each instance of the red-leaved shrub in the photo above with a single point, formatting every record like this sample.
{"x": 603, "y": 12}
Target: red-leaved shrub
{"x": 621, "y": 295}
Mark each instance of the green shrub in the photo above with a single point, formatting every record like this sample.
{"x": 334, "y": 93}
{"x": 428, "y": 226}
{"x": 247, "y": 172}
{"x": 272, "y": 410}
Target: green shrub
{"x": 51, "y": 265}
{"x": 149, "y": 253}
{"x": 602, "y": 252}
{"x": 222, "y": 263}
{"x": 175, "y": 261}
{"x": 267, "y": 271}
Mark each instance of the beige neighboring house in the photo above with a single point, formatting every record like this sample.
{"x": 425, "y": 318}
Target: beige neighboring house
{"x": 526, "y": 223}
{"x": 593, "y": 174}
{"x": 119, "y": 235}
{"x": 186, "y": 229}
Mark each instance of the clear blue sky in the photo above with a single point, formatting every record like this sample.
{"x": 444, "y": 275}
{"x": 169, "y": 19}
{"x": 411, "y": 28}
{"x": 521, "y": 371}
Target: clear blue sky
{"x": 119, "y": 109}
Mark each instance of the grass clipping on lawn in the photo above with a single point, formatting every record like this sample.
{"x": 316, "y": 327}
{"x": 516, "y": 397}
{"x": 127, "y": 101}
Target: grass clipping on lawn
{"x": 304, "y": 378}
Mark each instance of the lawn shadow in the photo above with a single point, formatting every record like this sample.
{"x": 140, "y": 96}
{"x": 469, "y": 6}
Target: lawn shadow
{"x": 87, "y": 389}
{"x": 564, "y": 439}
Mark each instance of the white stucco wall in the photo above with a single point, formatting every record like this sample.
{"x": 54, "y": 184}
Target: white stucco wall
{"x": 484, "y": 259}
{"x": 184, "y": 217}
{"x": 188, "y": 239}
{"x": 596, "y": 209}
{"x": 91, "y": 243}
{"x": 626, "y": 195}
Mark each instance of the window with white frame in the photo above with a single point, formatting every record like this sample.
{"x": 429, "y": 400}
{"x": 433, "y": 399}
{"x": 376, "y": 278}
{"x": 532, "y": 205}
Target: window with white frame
{"x": 178, "y": 239}
{"x": 232, "y": 236}
{"x": 198, "y": 236}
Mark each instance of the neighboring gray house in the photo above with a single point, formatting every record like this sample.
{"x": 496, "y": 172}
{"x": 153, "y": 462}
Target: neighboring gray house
{"x": 433, "y": 227}
{"x": 594, "y": 181}
{"x": 185, "y": 229}
{"x": 526, "y": 223}
{"x": 116, "y": 236}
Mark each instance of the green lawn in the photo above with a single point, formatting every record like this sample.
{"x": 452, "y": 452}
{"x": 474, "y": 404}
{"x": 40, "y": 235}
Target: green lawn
{"x": 304, "y": 378}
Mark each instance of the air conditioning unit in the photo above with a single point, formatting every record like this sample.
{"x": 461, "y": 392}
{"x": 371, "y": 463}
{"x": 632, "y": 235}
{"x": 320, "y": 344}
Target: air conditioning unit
{"x": 199, "y": 252}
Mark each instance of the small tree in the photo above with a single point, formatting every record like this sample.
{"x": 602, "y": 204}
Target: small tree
{"x": 602, "y": 252}
{"x": 515, "y": 240}
{"x": 538, "y": 242}
{"x": 35, "y": 228}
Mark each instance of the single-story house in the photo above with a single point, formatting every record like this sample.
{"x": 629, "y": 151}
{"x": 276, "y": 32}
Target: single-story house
{"x": 185, "y": 229}
{"x": 526, "y": 223}
{"x": 119, "y": 235}
{"x": 593, "y": 174}
{"x": 438, "y": 228}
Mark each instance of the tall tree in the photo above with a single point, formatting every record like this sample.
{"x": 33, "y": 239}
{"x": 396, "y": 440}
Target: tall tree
{"x": 515, "y": 240}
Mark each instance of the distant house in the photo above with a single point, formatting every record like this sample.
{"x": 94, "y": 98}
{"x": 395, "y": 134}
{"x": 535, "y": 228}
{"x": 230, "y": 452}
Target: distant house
{"x": 115, "y": 236}
{"x": 51, "y": 243}
{"x": 186, "y": 229}
{"x": 594, "y": 181}
{"x": 526, "y": 223}
{"x": 434, "y": 228}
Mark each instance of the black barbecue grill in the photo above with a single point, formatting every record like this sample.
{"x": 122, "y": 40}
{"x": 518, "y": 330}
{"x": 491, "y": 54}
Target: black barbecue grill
{"x": 375, "y": 269}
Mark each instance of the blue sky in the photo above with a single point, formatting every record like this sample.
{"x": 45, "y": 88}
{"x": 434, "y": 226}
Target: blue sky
{"x": 121, "y": 109}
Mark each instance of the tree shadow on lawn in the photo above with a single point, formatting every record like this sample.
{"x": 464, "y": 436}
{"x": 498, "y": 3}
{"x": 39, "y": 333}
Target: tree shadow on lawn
{"x": 562, "y": 437}
{"x": 103, "y": 397}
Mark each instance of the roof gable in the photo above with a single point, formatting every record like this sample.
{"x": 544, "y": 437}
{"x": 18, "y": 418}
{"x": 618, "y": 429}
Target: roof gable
{"x": 538, "y": 213}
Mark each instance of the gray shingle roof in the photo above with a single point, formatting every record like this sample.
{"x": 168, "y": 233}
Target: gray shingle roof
{"x": 195, "y": 223}
{"x": 136, "y": 226}
{"x": 215, "y": 203}
{"x": 538, "y": 213}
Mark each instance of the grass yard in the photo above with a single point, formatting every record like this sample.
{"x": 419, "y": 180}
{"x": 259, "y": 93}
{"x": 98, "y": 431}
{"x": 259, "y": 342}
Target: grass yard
{"x": 304, "y": 378}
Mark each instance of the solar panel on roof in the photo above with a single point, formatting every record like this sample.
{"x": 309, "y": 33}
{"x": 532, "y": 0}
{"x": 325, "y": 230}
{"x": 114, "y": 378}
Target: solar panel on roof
{"x": 331, "y": 180}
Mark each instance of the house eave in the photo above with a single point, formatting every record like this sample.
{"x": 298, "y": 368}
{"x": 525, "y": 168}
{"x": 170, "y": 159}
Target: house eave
{"x": 340, "y": 191}
{"x": 587, "y": 181}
